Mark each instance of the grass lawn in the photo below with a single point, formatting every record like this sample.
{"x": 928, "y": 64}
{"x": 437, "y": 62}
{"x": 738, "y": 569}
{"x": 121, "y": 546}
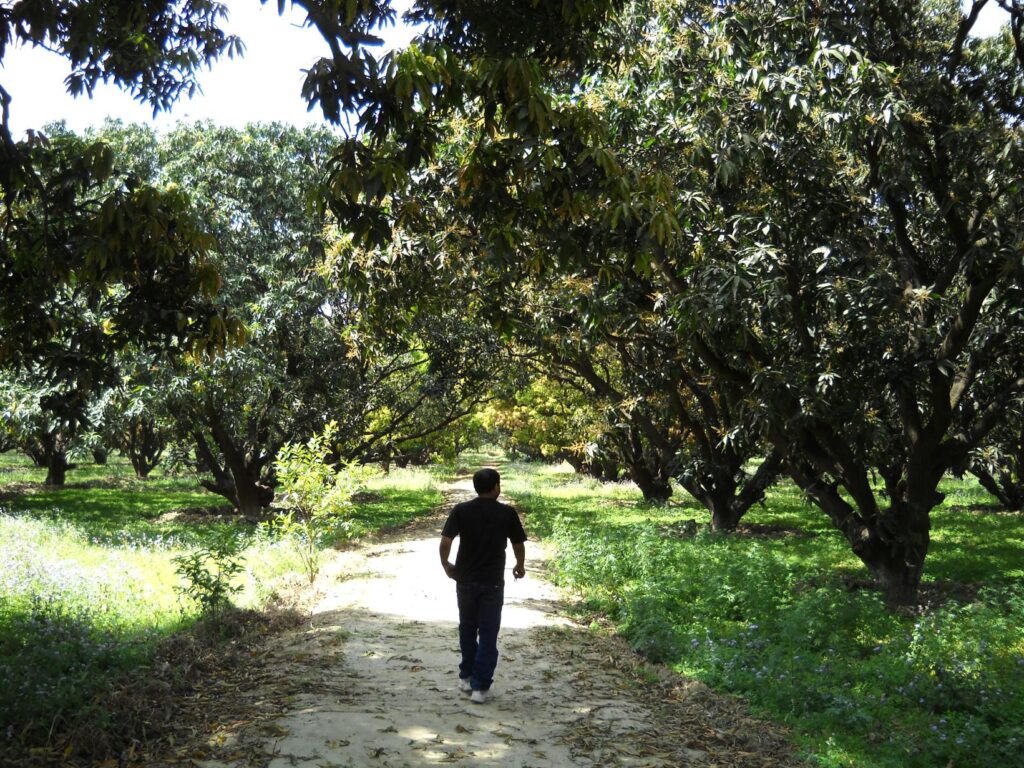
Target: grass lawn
{"x": 783, "y": 614}
{"x": 88, "y": 586}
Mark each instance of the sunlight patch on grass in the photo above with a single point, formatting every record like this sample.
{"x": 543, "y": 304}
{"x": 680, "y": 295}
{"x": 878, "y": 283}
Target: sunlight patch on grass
{"x": 404, "y": 479}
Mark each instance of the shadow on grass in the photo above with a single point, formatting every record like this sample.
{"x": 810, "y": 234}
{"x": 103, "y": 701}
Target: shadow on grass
{"x": 117, "y": 516}
{"x": 395, "y": 507}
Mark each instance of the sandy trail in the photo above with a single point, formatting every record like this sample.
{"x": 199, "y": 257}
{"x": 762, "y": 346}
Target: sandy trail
{"x": 372, "y": 679}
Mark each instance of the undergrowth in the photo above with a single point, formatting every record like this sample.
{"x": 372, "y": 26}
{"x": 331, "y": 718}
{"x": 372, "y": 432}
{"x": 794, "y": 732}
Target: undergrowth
{"x": 89, "y": 594}
{"x": 782, "y": 613}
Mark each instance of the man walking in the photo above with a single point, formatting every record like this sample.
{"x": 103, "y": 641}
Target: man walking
{"x": 484, "y": 524}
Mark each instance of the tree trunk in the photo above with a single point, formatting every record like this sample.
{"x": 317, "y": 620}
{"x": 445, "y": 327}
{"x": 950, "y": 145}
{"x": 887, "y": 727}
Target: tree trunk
{"x": 717, "y": 494}
{"x": 144, "y": 444}
{"x": 600, "y": 468}
{"x": 251, "y": 496}
{"x": 728, "y": 500}
{"x": 56, "y": 468}
{"x": 248, "y": 496}
{"x": 141, "y": 467}
{"x": 99, "y": 455}
{"x": 652, "y": 486}
{"x": 647, "y": 465}
{"x": 239, "y": 479}
{"x": 898, "y": 580}
{"x": 38, "y": 454}
{"x": 50, "y": 451}
{"x": 896, "y": 565}
{"x": 892, "y": 543}
{"x": 608, "y": 470}
{"x": 1009, "y": 494}
{"x": 895, "y": 560}
{"x": 752, "y": 489}
{"x": 725, "y": 515}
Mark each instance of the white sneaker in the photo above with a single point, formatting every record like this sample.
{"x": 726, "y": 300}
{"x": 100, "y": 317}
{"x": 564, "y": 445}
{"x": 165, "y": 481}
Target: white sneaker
{"x": 479, "y": 697}
{"x": 464, "y": 685}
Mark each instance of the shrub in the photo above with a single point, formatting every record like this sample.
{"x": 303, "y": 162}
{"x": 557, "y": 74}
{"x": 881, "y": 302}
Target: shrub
{"x": 209, "y": 572}
{"x": 778, "y": 620}
{"x": 319, "y": 497}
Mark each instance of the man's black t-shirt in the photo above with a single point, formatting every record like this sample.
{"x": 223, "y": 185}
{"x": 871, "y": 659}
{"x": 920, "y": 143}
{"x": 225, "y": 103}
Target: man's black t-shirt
{"x": 483, "y": 525}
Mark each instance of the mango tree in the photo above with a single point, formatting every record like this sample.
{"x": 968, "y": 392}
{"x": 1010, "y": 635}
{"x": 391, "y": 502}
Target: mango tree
{"x": 848, "y": 248}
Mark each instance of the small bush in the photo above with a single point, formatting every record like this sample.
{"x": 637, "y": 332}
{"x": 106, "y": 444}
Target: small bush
{"x": 209, "y": 574}
{"x": 72, "y": 618}
{"x": 319, "y": 496}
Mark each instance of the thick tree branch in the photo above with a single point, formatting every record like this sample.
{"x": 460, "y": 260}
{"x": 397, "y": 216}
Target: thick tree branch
{"x": 1016, "y": 10}
{"x": 956, "y": 51}
{"x": 966, "y": 319}
{"x": 907, "y": 256}
{"x": 986, "y": 421}
{"x": 726, "y": 373}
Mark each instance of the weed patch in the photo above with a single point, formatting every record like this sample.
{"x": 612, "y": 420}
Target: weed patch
{"x": 782, "y": 613}
{"x": 90, "y": 602}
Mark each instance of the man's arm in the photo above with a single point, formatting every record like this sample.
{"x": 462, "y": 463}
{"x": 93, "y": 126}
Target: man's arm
{"x": 446, "y": 550}
{"x": 520, "y": 552}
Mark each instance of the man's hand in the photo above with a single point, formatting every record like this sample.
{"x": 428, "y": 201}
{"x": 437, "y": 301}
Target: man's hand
{"x": 445, "y": 549}
{"x": 520, "y": 551}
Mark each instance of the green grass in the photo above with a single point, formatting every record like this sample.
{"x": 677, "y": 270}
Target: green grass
{"x": 778, "y": 614}
{"x": 88, "y": 586}
{"x": 400, "y": 496}
{"x": 106, "y": 503}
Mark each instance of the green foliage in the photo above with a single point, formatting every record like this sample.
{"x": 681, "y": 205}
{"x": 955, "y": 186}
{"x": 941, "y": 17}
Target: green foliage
{"x": 850, "y": 205}
{"x": 88, "y": 580}
{"x": 999, "y": 463}
{"x": 41, "y": 420}
{"x": 319, "y": 496}
{"x": 74, "y": 616}
{"x": 153, "y": 55}
{"x": 399, "y": 496}
{"x": 545, "y": 420}
{"x": 132, "y": 266}
{"x": 776, "y": 613}
{"x": 209, "y": 574}
{"x": 753, "y": 223}
{"x": 233, "y": 410}
{"x": 84, "y": 234}
{"x": 108, "y": 504}
{"x": 408, "y": 378}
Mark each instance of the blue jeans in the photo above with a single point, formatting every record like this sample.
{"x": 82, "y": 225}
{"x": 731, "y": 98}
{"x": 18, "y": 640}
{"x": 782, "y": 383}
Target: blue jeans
{"x": 479, "y": 621}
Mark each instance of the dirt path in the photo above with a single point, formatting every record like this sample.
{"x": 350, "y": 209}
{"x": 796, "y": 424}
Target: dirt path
{"x": 371, "y": 680}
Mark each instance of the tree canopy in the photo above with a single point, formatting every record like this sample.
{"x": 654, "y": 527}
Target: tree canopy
{"x": 813, "y": 210}
{"x": 784, "y": 232}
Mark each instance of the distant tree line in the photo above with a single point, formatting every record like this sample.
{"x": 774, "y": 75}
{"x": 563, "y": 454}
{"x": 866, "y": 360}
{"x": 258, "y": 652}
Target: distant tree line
{"x": 304, "y": 351}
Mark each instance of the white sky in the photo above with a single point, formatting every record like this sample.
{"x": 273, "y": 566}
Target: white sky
{"x": 264, "y": 85}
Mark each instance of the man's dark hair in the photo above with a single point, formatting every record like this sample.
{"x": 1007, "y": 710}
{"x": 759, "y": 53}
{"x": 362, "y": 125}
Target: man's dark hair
{"x": 485, "y": 479}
